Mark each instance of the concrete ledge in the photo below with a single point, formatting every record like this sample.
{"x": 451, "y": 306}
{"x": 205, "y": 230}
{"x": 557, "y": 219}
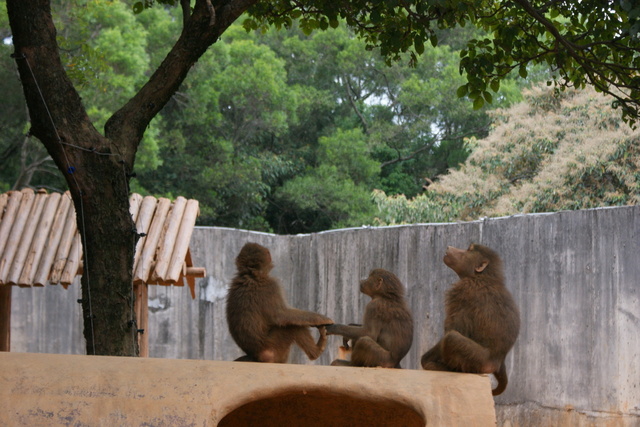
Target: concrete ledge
{"x": 47, "y": 389}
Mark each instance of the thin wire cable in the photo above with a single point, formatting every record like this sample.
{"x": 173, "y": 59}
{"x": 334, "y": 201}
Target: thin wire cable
{"x": 70, "y": 170}
{"x": 134, "y": 317}
{"x": 90, "y": 150}
{"x": 86, "y": 271}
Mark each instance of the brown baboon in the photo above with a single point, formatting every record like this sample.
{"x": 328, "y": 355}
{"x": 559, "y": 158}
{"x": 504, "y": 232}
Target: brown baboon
{"x": 482, "y": 320}
{"x": 386, "y": 333}
{"x": 260, "y": 321}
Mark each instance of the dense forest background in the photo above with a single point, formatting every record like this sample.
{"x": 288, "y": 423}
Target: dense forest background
{"x": 294, "y": 133}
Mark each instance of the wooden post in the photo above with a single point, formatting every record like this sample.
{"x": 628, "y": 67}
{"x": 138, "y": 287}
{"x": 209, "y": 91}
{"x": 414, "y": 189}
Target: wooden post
{"x": 142, "y": 317}
{"x": 5, "y": 318}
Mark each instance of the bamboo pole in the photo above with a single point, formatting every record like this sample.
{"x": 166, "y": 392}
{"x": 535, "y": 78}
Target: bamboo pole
{"x": 13, "y": 242}
{"x": 166, "y": 247}
{"x": 183, "y": 239}
{"x": 39, "y": 238}
{"x": 196, "y": 272}
{"x": 143, "y": 224}
{"x": 73, "y": 261}
{"x": 4, "y": 199}
{"x": 5, "y": 290}
{"x": 6, "y": 225}
{"x": 66, "y": 239}
{"x": 134, "y": 205}
{"x": 53, "y": 240}
{"x": 30, "y": 225}
{"x": 147, "y": 256}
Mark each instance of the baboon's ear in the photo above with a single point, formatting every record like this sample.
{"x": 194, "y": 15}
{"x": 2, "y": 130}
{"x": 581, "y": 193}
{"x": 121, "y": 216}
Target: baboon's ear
{"x": 480, "y": 268}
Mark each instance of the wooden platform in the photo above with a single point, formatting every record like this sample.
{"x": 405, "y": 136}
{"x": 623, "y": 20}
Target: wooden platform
{"x": 52, "y": 390}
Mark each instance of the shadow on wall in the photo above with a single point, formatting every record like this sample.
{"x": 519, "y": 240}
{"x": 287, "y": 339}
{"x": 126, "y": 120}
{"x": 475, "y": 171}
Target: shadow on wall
{"x": 319, "y": 408}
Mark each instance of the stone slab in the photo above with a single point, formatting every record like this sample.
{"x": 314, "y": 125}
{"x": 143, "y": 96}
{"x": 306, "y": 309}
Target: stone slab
{"x": 53, "y": 390}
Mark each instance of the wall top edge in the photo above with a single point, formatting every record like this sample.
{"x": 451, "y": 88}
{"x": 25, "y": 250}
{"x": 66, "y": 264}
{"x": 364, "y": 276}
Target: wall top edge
{"x": 430, "y": 224}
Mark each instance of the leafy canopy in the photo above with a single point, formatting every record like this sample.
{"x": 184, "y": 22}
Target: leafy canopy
{"x": 585, "y": 42}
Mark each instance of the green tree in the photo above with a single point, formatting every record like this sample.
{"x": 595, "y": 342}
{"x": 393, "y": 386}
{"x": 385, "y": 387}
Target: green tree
{"x": 220, "y": 130}
{"x": 428, "y": 207}
{"x": 554, "y": 151}
{"x": 104, "y": 47}
{"x": 415, "y": 128}
{"x": 272, "y": 120}
{"x": 335, "y": 193}
{"x": 587, "y": 42}
{"x": 23, "y": 159}
{"x": 425, "y": 134}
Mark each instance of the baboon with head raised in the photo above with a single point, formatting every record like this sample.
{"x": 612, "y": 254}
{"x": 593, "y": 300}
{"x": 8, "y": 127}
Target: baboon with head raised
{"x": 482, "y": 320}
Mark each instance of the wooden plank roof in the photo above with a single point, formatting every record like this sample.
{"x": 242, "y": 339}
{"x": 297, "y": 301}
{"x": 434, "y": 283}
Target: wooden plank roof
{"x": 40, "y": 242}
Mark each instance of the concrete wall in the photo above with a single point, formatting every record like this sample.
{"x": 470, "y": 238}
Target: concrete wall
{"x": 575, "y": 276}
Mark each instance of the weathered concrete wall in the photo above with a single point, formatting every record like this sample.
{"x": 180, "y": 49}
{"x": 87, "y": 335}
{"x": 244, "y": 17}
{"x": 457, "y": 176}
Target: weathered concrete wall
{"x": 575, "y": 276}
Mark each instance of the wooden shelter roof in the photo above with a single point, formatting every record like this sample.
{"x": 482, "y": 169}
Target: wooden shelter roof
{"x": 40, "y": 242}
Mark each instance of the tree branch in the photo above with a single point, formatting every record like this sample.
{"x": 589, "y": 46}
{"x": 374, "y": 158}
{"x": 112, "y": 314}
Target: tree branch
{"x": 186, "y": 12}
{"x": 127, "y": 125}
{"x": 587, "y": 64}
{"x": 425, "y": 147}
{"x": 352, "y": 101}
{"x": 55, "y": 108}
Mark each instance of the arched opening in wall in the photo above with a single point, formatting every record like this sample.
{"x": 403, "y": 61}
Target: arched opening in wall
{"x": 320, "y": 408}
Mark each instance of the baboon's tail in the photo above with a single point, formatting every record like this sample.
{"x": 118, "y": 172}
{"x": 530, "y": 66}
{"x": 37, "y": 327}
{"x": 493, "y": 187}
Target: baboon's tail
{"x": 501, "y": 376}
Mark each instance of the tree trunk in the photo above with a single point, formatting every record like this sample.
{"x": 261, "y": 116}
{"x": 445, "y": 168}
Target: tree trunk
{"x": 97, "y": 168}
{"x": 96, "y": 172}
{"x": 109, "y": 239}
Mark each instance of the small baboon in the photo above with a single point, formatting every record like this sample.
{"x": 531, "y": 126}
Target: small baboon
{"x": 260, "y": 321}
{"x": 386, "y": 333}
{"x": 482, "y": 320}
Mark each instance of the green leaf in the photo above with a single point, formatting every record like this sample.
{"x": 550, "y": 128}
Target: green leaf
{"x": 307, "y": 31}
{"x": 478, "y": 103}
{"x": 249, "y": 24}
{"x": 462, "y": 91}
{"x": 434, "y": 40}
{"x": 523, "y": 72}
{"x": 419, "y": 46}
